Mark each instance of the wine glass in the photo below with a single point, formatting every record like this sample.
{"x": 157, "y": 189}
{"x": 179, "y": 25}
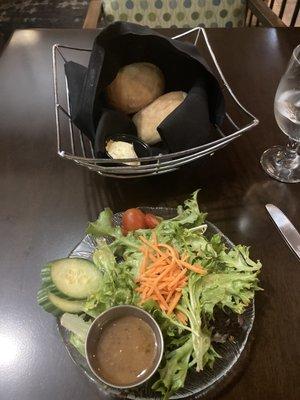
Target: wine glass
{"x": 283, "y": 163}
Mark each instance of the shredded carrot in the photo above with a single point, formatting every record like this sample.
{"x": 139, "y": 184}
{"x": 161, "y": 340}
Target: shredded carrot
{"x": 161, "y": 298}
{"x": 163, "y": 274}
{"x": 152, "y": 245}
{"x": 171, "y": 249}
{"x": 195, "y": 268}
{"x": 144, "y": 293}
{"x": 184, "y": 257}
{"x": 144, "y": 262}
{"x": 181, "y": 317}
{"x": 154, "y": 237}
{"x": 152, "y": 257}
{"x": 177, "y": 279}
{"x": 174, "y": 302}
{"x": 170, "y": 294}
{"x": 157, "y": 262}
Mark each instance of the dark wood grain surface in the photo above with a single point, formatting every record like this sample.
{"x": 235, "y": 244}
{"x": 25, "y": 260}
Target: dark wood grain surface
{"x": 45, "y": 203}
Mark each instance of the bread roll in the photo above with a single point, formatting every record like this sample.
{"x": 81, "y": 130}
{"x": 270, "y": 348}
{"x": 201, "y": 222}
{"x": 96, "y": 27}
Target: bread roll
{"x": 135, "y": 86}
{"x": 149, "y": 118}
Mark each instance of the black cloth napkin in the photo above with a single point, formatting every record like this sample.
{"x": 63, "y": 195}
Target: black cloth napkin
{"x": 188, "y": 125}
{"x": 184, "y": 69}
{"x": 75, "y": 74}
{"x": 111, "y": 122}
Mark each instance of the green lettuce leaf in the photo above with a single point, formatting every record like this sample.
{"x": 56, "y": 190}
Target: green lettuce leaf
{"x": 189, "y": 213}
{"x": 237, "y": 259}
{"x": 172, "y": 376}
{"x": 77, "y": 343}
{"x": 191, "y": 306}
{"x": 232, "y": 290}
{"x": 117, "y": 286}
{"x": 78, "y": 330}
{"x": 76, "y": 324}
{"x": 103, "y": 225}
{"x": 104, "y": 259}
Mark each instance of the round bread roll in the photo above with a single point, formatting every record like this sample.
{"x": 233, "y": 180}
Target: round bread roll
{"x": 135, "y": 86}
{"x": 149, "y": 118}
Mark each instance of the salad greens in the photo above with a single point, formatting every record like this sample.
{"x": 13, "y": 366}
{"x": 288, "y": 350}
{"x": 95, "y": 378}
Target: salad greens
{"x": 230, "y": 283}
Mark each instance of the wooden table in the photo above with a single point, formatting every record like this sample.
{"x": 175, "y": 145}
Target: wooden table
{"x": 45, "y": 203}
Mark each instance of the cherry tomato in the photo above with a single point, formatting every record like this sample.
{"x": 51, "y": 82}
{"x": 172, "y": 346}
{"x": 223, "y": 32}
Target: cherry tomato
{"x": 133, "y": 219}
{"x": 151, "y": 221}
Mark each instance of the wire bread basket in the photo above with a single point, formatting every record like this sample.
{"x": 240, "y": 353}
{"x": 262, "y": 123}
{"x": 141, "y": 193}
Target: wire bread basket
{"x": 73, "y": 145}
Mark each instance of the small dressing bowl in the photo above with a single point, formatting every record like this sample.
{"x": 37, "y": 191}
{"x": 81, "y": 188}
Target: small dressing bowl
{"x": 124, "y": 346}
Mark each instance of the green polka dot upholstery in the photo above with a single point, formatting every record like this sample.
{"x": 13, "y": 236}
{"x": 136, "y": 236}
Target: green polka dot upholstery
{"x": 176, "y": 13}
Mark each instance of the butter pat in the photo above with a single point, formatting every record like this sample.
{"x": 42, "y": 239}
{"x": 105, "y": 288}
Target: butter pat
{"x": 119, "y": 149}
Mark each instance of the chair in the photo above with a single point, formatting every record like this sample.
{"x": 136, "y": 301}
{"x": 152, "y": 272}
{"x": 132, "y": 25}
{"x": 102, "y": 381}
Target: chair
{"x": 287, "y": 10}
{"x": 180, "y": 13}
{"x": 40, "y": 14}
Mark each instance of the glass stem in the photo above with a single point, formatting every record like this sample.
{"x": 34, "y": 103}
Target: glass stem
{"x": 292, "y": 147}
{"x": 289, "y": 157}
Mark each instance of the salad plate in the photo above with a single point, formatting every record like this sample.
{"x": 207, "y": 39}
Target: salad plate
{"x": 229, "y": 337}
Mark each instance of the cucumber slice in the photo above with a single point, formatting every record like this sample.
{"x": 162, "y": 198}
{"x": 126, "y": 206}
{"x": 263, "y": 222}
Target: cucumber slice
{"x": 70, "y": 306}
{"x": 75, "y": 277}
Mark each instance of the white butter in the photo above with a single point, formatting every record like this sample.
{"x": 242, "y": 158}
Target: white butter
{"x": 118, "y": 149}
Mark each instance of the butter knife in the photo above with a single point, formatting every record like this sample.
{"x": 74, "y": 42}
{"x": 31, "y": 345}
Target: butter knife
{"x": 286, "y": 228}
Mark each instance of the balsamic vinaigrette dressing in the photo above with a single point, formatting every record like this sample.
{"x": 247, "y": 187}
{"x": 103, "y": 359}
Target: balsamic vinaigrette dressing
{"x": 126, "y": 351}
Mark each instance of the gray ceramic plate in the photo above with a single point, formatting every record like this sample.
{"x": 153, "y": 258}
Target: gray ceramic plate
{"x": 228, "y": 326}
